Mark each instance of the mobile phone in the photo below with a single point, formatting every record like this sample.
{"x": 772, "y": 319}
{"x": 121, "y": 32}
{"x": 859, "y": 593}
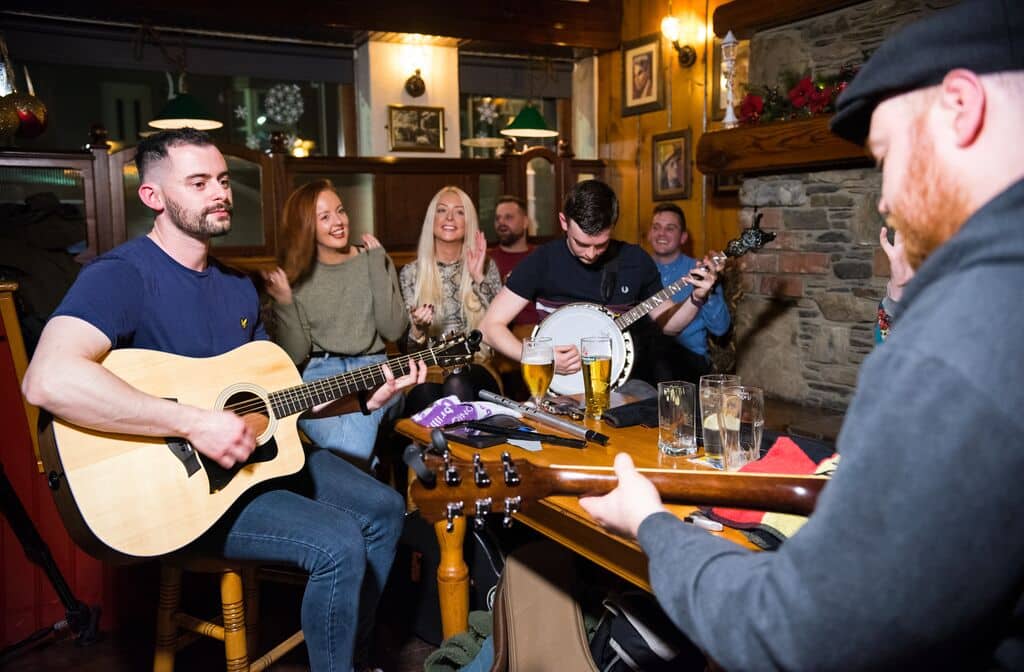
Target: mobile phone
{"x": 473, "y": 437}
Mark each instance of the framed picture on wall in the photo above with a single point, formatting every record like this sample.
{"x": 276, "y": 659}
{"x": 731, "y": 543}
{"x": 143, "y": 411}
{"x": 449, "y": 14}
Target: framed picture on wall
{"x": 670, "y": 162}
{"x": 740, "y": 80}
{"x": 643, "y": 80}
{"x": 412, "y": 128}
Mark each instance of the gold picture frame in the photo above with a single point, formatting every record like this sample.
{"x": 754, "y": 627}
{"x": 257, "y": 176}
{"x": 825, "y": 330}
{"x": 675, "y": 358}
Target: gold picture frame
{"x": 671, "y": 172}
{"x": 414, "y": 128}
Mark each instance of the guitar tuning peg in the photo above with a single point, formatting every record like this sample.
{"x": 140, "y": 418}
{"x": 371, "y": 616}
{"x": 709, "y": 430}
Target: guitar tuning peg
{"x": 453, "y": 510}
{"x": 512, "y": 505}
{"x": 509, "y": 469}
{"x": 451, "y": 473}
{"x": 480, "y": 476}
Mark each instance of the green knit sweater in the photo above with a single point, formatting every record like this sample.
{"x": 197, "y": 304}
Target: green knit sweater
{"x": 349, "y": 308}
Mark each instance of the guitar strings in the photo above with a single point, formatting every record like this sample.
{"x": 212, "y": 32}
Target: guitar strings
{"x": 328, "y": 387}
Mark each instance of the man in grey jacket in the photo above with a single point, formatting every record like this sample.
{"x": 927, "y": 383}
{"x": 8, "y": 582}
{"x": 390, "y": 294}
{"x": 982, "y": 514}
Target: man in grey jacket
{"x": 913, "y": 558}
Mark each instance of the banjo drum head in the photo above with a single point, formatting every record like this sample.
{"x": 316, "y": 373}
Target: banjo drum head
{"x": 569, "y": 324}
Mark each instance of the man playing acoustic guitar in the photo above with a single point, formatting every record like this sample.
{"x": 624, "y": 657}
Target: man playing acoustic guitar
{"x": 163, "y": 292}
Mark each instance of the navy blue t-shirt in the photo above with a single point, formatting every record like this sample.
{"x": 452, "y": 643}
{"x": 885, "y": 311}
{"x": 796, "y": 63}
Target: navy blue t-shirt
{"x": 552, "y": 277}
{"x": 142, "y": 298}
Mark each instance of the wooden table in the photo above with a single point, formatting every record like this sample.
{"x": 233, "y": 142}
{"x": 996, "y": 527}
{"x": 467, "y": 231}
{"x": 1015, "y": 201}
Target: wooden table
{"x": 559, "y": 518}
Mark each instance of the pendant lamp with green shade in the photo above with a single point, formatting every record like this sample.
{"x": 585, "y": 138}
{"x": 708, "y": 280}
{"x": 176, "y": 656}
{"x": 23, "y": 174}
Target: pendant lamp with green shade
{"x": 529, "y": 123}
{"x": 184, "y": 111}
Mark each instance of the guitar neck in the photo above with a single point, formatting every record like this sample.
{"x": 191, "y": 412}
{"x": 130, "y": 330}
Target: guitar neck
{"x": 303, "y": 397}
{"x": 781, "y": 493}
{"x": 647, "y": 305}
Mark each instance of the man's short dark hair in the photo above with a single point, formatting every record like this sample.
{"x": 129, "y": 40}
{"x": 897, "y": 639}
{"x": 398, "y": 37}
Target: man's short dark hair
{"x": 509, "y": 198}
{"x": 675, "y": 210}
{"x": 154, "y": 148}
{"x": 593, "y": 206}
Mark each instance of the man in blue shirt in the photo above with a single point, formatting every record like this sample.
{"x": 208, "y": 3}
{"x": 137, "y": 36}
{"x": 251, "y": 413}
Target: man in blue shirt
{"x": 686, "y": 358}
{"x": 163, "y": 292}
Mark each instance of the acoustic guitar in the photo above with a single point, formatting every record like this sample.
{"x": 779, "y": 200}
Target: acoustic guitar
{"x": 123, "y": 495}
{"x": 457, "y": 488}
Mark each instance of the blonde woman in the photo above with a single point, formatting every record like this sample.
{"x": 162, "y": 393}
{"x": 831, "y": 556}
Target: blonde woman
{"x": 448, "y": 288}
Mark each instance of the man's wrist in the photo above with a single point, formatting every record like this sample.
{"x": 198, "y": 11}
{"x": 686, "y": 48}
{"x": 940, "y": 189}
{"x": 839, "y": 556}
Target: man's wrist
{"x": 697, "y": 301}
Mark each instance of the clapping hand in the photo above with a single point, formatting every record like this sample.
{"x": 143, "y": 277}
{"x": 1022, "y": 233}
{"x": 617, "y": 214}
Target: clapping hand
{"x": 277, "y": 285}
{"x": 370, "y": 242}
{"x": 476, "y": 256}
{"x": 421, "y": 317}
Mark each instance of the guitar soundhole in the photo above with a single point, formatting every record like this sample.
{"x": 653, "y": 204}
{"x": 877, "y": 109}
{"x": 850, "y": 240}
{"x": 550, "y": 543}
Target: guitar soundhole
{"x": 253, "y": 411}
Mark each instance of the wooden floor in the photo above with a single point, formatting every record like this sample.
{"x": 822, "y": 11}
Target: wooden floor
{"x": 396, "y": 648}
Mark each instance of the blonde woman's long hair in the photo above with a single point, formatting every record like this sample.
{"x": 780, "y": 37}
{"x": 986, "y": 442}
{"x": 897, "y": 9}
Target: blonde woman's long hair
{"x": 428, "y": 278}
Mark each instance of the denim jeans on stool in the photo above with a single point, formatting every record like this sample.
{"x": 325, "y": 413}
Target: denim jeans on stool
{"x": 344, "y": 534}
{"x": 350, "y": 434}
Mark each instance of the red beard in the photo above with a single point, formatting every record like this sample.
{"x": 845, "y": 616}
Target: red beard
{"x": 932, "y": 207}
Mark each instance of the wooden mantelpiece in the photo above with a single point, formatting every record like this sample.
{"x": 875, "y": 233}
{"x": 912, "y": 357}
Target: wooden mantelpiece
{"x": 745, "y": 17}
{"x": 802, "y": 144}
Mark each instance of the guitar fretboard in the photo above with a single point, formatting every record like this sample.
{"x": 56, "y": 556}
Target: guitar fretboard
{"x": 303, "y": 397}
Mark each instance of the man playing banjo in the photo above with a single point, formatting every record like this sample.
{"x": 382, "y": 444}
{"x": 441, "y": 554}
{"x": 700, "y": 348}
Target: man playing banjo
{"x": 587, "y": 266}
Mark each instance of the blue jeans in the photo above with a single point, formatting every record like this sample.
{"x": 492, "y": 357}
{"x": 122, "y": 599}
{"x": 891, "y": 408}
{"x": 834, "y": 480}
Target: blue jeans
{"x": 344, "y": 534}
{"x": 350, "y": 434}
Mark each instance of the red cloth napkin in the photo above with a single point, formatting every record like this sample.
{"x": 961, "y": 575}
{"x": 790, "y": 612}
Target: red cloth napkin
{"x": 784, "y": 457}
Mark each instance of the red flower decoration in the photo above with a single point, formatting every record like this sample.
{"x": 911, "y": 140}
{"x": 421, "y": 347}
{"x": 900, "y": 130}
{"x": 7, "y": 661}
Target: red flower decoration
{"x": 751, "y": 108}
{"x": 820, "y": 99}
{"x": 800, "y": 95}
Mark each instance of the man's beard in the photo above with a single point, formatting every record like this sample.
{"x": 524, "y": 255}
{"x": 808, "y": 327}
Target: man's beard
{"x": 197, "y": 224}
{"x": 507, "y": 237}
{"x": 932, "y": 207}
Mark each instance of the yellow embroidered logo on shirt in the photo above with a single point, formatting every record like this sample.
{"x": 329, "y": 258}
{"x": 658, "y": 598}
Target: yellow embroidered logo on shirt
{"x": 244, "y": 322}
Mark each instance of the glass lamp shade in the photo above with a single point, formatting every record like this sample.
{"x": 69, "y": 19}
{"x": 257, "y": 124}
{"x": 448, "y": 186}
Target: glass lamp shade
{"x": 729, "y": 44}
{"x": 529, "y": 123}
{"x": 670, "y": 28}
{"x": 185, "y": 111}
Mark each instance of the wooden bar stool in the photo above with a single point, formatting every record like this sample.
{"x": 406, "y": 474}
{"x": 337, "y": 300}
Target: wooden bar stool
{"x": 239, "y": 596}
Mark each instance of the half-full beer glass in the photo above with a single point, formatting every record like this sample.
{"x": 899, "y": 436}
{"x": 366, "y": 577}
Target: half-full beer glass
{"x": 710, "y": 393}
{"x": 538, "y": 362}
{"x": 596, "y": 353}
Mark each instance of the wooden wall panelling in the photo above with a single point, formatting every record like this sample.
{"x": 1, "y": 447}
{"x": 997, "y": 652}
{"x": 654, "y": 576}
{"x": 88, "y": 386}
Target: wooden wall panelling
{"x": 746, "y": 17}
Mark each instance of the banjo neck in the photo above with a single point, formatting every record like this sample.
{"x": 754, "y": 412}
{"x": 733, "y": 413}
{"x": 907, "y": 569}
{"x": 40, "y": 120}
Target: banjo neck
{"x": 624, "y": 320}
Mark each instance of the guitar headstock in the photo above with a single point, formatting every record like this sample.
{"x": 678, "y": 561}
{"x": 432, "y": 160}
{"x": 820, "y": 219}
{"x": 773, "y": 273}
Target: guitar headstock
{"x": 751, "y": 239}
{"x": 454, "y": 350}
{"x": 476, "y": 488}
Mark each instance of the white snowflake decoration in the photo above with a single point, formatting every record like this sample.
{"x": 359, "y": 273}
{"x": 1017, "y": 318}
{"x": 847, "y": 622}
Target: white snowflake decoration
{"x": 252, "y": 142}
{"x": 488, "y": 112}
{"x": 241, "y": 113}
{"x": 284, "y": 103}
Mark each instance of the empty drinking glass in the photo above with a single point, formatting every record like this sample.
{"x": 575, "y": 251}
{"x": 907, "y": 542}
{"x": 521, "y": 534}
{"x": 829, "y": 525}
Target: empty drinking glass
{"x": 741, "y": 423}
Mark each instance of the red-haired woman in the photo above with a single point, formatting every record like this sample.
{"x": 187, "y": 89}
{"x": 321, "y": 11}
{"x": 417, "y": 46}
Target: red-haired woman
{"x": 336, "y": 304}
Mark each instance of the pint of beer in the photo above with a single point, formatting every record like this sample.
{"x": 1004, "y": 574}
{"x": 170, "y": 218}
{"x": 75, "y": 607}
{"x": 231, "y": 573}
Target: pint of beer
{"x": 596, "y": 353}
{"x": 538, "y": 362}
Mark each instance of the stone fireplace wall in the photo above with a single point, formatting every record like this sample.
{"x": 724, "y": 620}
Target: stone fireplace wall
{"x": 805, "y": 322}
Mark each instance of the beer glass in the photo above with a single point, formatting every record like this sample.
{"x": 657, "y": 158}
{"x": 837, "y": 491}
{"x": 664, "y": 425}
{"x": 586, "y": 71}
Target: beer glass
{"x": 538, "y": 362}
{"x": 596, "y": 353}
{"x": 710, "y": 391}
{"x": 741, "y": 423}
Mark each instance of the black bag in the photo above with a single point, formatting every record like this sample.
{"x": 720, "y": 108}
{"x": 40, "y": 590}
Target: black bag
{"x": 635, "y": 635}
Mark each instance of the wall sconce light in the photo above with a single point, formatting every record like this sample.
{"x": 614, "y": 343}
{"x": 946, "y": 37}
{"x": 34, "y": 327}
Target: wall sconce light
{"x": 415, "y": 86}
{"x": 671, "y": 29}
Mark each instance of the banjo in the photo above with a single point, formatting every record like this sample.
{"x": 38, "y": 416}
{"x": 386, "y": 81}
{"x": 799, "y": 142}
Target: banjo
{"x": 573, "y": 322}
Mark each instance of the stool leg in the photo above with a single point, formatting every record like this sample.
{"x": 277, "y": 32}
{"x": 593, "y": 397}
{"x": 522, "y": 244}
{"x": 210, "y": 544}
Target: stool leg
{"x": 252, "y": 608}
{"x": 233, "y": 608}
{"x": 166, "y": 628}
